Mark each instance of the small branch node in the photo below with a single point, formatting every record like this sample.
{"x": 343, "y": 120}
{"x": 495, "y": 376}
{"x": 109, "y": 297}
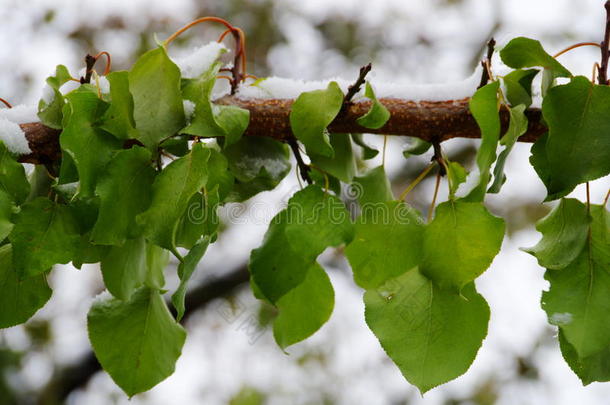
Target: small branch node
{"x": 486, "y": 63}
{"x": 304, "y": 168}
{"x": 355, "y": 88}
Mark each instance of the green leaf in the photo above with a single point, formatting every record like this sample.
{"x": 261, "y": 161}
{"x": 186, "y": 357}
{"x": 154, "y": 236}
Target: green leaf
{"x": 484, "y": 108}
{"x": 45, "y": 234}
{"x": 200, "y": 217}
{"x": 118, "y": 119}
{"x": 516, "y": 127}
{"x": 19, "y": 299}
{"x": 258, "y": 164}
{"x": 276, "y": 274}
{"x": 588, "y": 369}
{"x": 377, "y": 115}
{"x": 342, "y": 165}
{"x": 564, "y": 234}
{"x": 172, "y": 190}
{"x": 6, "y": 212}
{"x": 12, "y": 177}
{"x": 157, "y": 259}
{"x": 577, "y": 300}
{"x": 415, "y": 146}
{"x": 367, "y": 151}
{"x": 578, "y": 148}
{"x": 137, "y": 341}
{"x": 432, "y": 335}
{"x": 192, "y": 224}
{"x": 539, "y": 160}
{"x": 372, "y": 187}
{"x": 219, "y": 175}
{"x": 387, "y": 243}
{"x": 125, "y": 267}
{"x": 89, "y": 147}
{"x": 311, "y": 113}
{"x": 316, "y": 221}
{"x": 525, "y": 52}
{"x": 87, "y": 252}
{"x": 176, "y": 145}
{"x": 456, "y": 175}
{"x": 460, "y": 243}
{"x": 125, "y": 191}
{"x": 209, "y": 119}
{"x": 50, "y": 114}
{"x": 303, "y": 310}
{"x": 186, "y": 269}
{"x": 518, "y": 85}
{"x": 154, "y": 82}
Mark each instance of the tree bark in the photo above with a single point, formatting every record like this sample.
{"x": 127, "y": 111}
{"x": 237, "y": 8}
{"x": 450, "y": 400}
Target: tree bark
{"x": 428, "y": 120}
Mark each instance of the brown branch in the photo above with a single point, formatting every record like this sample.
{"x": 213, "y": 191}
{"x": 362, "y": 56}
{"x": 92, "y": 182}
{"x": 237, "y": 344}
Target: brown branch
{"x": 428, "y": 120}
{"x": 603, "y": 67}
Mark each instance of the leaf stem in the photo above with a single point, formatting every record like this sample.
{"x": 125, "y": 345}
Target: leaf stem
{"x": 6, "y": 103}
{"x": 433, "y": 203}
{"x": 108, "y": 61}
{"x": 606, "y": 198}
{"x": 578, "y": 45}
{"x": 415, "y": 182}
{"x": 239, "y": 63}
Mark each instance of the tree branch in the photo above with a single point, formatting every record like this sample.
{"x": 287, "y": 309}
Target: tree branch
{"x": 428, "y": 120}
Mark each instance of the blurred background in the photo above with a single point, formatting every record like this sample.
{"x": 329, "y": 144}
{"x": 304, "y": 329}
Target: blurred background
{"x": 230, "y": 356}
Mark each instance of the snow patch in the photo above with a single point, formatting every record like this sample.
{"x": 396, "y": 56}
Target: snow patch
{"x": 561, "y": 318}
{"x": 20, "y": 114}
{"x": 102, "y": 297}
{"x": 282, "y": 88}
{"x": 48, "y": 94}
{"x": 200, "y": 59}
{"x": 104, "y": 84}
{"x": 189, "y": 109}
{"x": 472, "y": 180}
{"x": 13, "y": 137}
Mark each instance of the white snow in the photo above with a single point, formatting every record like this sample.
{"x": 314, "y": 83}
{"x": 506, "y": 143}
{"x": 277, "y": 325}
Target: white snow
{"x": 189, "y": 109}
{"x": 48, "y": 94}
{"x": 472, "y": 180}
{"x": 561, "y": 319}
{"x": 199, "y": 60}
{"x": 103, "y": 84}
{"x": 282, "y": 88}
{"x": 13, "y": 137}
{"x": 20, "y": 114}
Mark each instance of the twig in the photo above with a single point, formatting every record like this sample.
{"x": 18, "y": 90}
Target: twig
{"x": 89, "y": 62}
{"x": 304, "y": 169}
{"x": 603, "y": 70}
{"x": 355, "y": 88}
{"x": 6, "y": 103}
{"x": 486, "y": 63}
{"x": 438, "y": 158}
